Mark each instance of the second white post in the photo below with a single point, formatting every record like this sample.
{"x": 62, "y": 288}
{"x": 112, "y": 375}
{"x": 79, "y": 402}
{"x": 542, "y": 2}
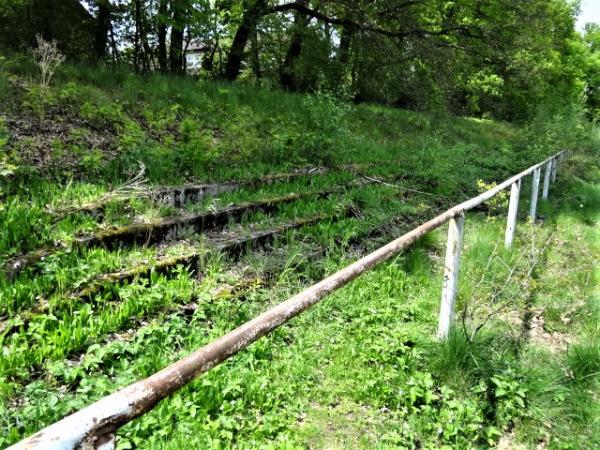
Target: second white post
{"x": 452, "y": 266}
{"x": 547, "y": 175}
{"x": 535, "y": 191}
{"x": 513, "y": 210}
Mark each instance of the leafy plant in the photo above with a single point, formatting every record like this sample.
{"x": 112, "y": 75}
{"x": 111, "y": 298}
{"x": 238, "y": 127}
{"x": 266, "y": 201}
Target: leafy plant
{"x": 7, "y": 168}
{"x": 37, "y": 99}
{"x": 497, "y": 203}
{"x": 509, "y": 397}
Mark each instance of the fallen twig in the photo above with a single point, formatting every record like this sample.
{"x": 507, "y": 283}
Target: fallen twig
{"x": 134, "y": 188}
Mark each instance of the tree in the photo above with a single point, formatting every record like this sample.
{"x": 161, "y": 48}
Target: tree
{"x": 253, "y": 11}
{"x": 162, "y": 20}
{"x": 102, "y": 29}
{"x": 287, "y": 75}
{"x": 65, "y": 21}
{"x": 179, "y": 12}
{"x": 503, "y": 58}
{"x": 591, "y": 40}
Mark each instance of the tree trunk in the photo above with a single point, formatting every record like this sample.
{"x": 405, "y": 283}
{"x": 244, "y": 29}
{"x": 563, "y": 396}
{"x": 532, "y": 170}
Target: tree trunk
{"x": 142, "y": 53}
{"x": 208, "y": 62}
{"x": 255, "y": 55}
{"x": 252, "y": 14}
{"x": 162, "y": 35}
{"x": 103, "y": 26}
{"x": 137, "y": 17}
{"x": 345, "y": 41}
{"x": 287, "y": 76}
{"x": 148, "y": 54}
{"x": 176, "y": 50}
{"x": 113, "y": 46}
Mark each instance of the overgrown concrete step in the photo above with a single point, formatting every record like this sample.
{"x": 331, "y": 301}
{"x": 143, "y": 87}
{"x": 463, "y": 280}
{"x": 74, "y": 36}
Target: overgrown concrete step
{"x": 233, "y": 247}
{"x": 152, "y": 233}
{"x": 244, "y": 286}
{"x": 155, "y": 232}
{"x": 179, "y": 196}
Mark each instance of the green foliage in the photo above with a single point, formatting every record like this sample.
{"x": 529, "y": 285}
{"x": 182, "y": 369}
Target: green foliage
{"x": 482, "y": 84}
{"x": 509, "y": 396}
{"x": 584, "y": 360}
{"x": 7, "y": 166}
{"x": 37, "y": 100}
{"x": 328, "y": 118}
{"x": 592, "y": 69}
{"x": 23, "y": 225}
{"x": 4, "y": 83}
{"x": 92, "y": 161}
{"x": 197, "y": 126}
{"x": 498, "y": 202}
{"x": 101, "y": 116}
{"x": 197, "y": 145}
{"x": 360, "y": 370}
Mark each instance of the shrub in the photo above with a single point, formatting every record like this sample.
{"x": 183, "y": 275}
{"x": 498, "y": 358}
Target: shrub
{"x": 102, "y": 116}
{"x": 37, "y": 99}
{"x": 509, "y": 395}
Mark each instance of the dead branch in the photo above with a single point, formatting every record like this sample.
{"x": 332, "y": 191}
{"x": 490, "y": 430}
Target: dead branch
{"x": 136, "y": 187}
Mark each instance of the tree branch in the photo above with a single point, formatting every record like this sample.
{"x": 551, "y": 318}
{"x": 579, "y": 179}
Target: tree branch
{"x": 419, "y": 32}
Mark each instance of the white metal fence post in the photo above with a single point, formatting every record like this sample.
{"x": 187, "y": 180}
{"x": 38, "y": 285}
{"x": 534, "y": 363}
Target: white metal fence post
{"x": 452, "y": 265}
{"x": 535, "y": 191}
{"x": 554, "y": 168}
{"x": 513, "y": 210}
{"x": 548, "y": 169}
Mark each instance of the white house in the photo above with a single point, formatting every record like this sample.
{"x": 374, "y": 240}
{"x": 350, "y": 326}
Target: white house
{"x": 193, "y": 57}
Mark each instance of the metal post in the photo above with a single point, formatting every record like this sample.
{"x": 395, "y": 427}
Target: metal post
{"x": 513, "y": 209}
{"x": 453, "y": 250}
{"x": 535, "y": 191}
{"x": 554, "y": 167}
{"x": 547, "y": 180}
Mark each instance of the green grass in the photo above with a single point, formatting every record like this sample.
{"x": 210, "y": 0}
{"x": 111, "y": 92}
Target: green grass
{"x": 360, "y": 370}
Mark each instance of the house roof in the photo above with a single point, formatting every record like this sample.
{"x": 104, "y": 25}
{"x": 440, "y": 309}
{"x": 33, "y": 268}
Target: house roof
{"x": 197, "y": 47}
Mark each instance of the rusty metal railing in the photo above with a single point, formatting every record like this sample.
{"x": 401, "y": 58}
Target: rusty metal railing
{"x": 95, "y": 426}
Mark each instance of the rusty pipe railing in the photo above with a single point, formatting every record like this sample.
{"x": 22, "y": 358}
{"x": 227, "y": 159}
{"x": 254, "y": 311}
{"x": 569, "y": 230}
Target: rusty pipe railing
{"x": 95, "y": 426}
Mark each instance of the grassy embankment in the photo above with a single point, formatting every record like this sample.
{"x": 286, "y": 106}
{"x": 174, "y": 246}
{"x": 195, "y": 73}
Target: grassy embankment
{"x": 360, "y": 370}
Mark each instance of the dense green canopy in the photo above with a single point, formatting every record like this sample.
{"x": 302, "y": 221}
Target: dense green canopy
{"x": 503, "y": 58}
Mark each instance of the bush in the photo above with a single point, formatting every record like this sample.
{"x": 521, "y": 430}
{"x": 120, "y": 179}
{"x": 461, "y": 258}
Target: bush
{"x": 106, "y": 115}
{"x": 37, "y": 99}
